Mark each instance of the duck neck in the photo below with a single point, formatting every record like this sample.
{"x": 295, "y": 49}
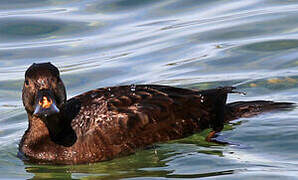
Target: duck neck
{"x": 37, "y": 144}
{"x": 41, "y": 128}
{"x": 36, "y": 135}
{"x": 52, "y": 127}
{"x": 37, "y": 129}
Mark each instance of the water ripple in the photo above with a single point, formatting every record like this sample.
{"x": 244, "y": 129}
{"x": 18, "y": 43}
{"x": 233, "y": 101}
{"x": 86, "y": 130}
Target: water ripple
{"x": 197, "y": 44}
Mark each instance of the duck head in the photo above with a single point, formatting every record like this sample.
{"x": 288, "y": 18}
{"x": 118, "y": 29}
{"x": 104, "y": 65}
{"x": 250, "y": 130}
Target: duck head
{"x": 43, "y": 91}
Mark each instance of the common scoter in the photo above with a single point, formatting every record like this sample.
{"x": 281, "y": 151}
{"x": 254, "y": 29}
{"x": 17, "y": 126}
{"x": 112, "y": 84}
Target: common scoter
{"x": 105, "y": 123}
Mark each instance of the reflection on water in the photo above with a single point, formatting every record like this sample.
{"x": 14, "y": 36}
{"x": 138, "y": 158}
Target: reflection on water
{"x": 153, "y": 162}
{"x": 194, "y": 44}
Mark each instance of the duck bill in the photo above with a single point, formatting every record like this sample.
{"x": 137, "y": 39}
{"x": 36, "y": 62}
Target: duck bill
{"x": 45, "y": 104}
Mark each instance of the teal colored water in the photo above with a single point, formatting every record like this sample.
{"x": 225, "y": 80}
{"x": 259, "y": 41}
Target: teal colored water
{"x": 252, "y": 45}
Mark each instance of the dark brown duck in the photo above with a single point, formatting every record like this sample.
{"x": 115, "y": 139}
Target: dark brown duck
{"x": 110, "y": 122}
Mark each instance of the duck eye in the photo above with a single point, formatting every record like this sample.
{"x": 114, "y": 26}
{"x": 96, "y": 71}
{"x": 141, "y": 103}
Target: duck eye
{"x": 26, "y": 82}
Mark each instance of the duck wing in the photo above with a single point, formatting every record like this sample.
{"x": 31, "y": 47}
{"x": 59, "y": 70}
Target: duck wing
{"x": 145, "y": 114}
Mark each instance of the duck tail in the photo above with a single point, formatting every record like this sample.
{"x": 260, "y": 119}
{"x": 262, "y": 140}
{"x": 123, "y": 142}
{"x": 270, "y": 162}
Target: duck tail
{"x": 224, "y": 112}
{"x": 245, "y": 109}
{"x": 216, "y": 101}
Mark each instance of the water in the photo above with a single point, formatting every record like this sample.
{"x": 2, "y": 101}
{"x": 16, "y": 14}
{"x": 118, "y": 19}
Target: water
{"x": 187, "y": 43}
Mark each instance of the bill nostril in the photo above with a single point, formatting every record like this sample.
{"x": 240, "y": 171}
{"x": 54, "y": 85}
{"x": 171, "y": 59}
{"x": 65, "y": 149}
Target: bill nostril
{"x": 45, "y": 102}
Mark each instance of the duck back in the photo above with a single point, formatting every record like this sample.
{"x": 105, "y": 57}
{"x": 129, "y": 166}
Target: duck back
{"x": 126, "y": 118}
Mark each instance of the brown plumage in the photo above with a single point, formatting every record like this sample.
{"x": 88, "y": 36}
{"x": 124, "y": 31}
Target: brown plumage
{"x": 110, "y": 122}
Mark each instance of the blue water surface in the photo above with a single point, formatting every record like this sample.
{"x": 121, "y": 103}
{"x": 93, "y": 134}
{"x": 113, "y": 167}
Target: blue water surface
{"x": 252, "y": 45}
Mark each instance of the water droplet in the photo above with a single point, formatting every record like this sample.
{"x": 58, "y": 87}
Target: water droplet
{"x": 202, "y": 99}
{"x": 133, "y": 88}
{"x": 242, "y": 93}
{"x": 93, "y": 95}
